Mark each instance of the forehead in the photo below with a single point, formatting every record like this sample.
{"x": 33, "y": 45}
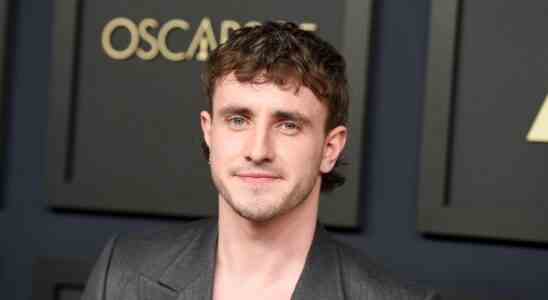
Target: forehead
{"x": 266, "y": 96}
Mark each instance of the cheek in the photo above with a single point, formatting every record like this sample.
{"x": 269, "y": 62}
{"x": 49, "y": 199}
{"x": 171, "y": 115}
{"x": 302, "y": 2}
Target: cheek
{"x": 304, "y": 154}
{"x": 225, "y": 146}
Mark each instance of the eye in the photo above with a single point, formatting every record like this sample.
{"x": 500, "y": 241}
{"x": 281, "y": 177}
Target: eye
{"x": 237, "y": 122}
{"x": 289, "y": 127}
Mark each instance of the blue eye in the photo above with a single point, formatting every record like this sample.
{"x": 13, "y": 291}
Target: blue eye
{"x": 237, "y": 122}
{"x": 289, "y": 128}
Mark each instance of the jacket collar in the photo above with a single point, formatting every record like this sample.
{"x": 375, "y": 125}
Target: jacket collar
{"x": 321, "y": 276}
{"x": 191, "y": 274}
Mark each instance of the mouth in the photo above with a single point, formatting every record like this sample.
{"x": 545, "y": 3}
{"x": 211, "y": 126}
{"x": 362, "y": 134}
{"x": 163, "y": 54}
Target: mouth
{"x": 258, "y": 178}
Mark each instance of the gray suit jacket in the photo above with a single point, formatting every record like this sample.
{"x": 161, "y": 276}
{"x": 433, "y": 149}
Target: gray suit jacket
{"x": 179, "y": 263}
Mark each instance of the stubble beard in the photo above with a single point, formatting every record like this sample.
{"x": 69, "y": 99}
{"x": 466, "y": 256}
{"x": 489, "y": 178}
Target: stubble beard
{"x": 262, "y": 207}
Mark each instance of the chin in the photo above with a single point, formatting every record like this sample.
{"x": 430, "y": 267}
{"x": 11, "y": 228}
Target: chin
{"x": 263, "y": 209}
{"x": 257, "y": 209}
{"x": 256, "y": 217}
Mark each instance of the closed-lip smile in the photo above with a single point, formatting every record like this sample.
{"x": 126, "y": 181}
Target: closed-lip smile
{"x": 257, "y": 177}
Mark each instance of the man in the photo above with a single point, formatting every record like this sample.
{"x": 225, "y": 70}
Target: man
{"x": 274, "y": 131}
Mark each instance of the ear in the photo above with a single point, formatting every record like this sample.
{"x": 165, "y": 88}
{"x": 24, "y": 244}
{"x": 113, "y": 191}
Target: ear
{"x": 205, "y": 121}
{"x": 333, "y": 147}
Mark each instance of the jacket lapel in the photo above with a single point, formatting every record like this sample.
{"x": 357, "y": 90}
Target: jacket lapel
{"x": 321, "y": 276}
{"x": 190, "y": 275}
{"x": 153, "y": 290}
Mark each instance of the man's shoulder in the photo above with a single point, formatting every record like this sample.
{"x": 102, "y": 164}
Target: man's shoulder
{"x": 365, "y": 278}
{"x": 166, "y": 235}
{"x": 148, "y": 260}
{"x": 153, "y": 250}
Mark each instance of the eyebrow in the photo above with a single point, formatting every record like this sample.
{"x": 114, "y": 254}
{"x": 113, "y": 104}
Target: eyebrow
{"x": 234, "y": 110}
{"x": 292, "y": 115}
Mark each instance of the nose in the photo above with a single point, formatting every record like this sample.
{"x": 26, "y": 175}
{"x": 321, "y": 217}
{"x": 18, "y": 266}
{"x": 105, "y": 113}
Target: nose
{"x": 259, "y": 149}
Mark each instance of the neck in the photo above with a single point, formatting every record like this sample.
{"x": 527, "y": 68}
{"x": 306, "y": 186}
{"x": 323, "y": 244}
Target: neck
{"x": 268, "y": 250}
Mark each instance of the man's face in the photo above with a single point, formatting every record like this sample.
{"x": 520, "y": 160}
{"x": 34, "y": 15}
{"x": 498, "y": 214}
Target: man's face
{"x": 268, "y": 146}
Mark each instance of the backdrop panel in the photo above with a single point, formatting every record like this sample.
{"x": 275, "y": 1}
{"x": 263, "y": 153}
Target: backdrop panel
{"x": 481, "y": 176}
{"x": 59, "y": 278}
{"x": 4, "y": 15}
{"x": 124, "y": 130}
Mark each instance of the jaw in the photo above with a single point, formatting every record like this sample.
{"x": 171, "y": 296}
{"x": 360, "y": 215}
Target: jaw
{"x": 291, "y": 212}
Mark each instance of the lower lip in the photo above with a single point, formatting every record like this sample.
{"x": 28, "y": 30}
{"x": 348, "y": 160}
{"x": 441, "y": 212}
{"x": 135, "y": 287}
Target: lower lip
{"x": 257, "y": 180}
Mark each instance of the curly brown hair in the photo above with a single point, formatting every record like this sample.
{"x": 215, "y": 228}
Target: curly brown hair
{"x": 283, "y": 54}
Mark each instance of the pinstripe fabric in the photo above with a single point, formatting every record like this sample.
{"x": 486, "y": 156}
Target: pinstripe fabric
{"x": 179, "y": 264}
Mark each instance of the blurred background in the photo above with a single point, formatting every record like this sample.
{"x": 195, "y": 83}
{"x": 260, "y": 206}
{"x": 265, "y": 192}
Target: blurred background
{"x": 47, "y": 245}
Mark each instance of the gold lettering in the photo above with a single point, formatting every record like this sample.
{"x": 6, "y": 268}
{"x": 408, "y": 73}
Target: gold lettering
{"x": 149, "y": 38}
{"x": 106, "y": 38}
{"x": 226, "y": 27}
{"x": 308, "y": 26}
{"x": 539, "y": 130}
{"x": 252, "y": 24}
{"x": 204, "y": 38}
{"x": 162, "y": 38}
